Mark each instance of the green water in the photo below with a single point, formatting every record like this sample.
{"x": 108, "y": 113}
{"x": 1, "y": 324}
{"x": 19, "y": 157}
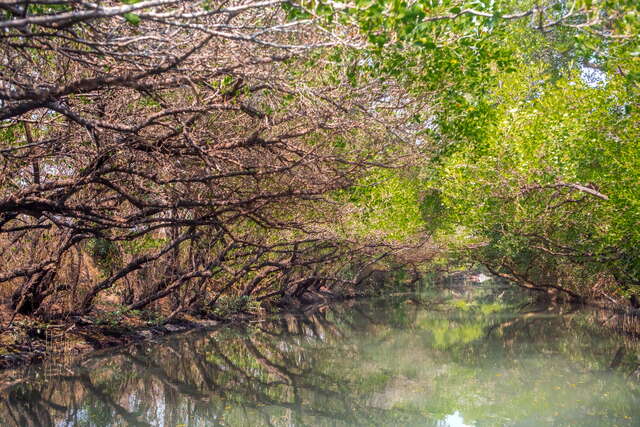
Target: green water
{"x": 471, "y": 356}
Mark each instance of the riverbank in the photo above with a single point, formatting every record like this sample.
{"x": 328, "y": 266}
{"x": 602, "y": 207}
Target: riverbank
{"x": 28, "y": 341}
{"x": 63, "y": 343}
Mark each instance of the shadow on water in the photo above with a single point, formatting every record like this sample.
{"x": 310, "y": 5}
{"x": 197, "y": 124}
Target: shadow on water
{"x": 468, "y": 356}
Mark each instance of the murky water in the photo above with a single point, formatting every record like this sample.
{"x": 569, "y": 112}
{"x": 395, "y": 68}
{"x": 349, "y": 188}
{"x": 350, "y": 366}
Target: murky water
{"x": 471, "y": 356}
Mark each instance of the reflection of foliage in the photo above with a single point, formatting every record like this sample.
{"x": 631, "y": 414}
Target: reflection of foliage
{"x": 445, "y": 335}
{"x": 391, "y": 361}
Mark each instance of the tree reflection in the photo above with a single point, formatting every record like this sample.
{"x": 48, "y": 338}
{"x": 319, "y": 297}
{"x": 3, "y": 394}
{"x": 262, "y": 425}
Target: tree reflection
{"x": 396, "y": 361}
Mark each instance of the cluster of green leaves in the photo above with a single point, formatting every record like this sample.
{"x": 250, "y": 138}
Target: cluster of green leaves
{"x": 229, "y": 304}
{"x": 105, "y": 254}
{"x": 143, "y": 244}
{"x": 386, "y": 203}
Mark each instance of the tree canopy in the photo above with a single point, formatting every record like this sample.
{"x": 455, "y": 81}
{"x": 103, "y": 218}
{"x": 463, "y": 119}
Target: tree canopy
{"x": 176, "y": 154}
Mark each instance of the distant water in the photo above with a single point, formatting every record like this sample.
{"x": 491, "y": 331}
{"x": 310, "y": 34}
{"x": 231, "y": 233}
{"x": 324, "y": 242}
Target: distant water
{"x": 470, "y": 356}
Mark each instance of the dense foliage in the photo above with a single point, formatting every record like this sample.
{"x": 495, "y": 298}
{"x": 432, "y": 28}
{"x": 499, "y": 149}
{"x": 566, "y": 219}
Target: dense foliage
{"x": 530, "y": 127}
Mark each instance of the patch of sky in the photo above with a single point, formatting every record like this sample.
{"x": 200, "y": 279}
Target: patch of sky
{"x": 592, "y": 75}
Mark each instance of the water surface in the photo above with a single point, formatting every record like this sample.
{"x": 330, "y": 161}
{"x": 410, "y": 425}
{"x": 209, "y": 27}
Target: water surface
{"x": 471, "y": 356}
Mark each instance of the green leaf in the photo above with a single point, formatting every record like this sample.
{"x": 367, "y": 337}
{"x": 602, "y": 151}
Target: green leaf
{"x": 132, "y": 18}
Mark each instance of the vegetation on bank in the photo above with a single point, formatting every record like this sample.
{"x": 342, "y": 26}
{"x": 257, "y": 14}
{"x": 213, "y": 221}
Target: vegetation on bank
{"x": 198, "y": 157}
{"x": 530, "y": 132}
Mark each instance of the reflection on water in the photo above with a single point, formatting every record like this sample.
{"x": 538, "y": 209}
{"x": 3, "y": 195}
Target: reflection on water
{"x": 471, "y": 357}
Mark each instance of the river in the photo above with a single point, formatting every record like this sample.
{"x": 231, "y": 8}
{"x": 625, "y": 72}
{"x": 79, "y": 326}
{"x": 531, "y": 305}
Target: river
{"x": 471, "y": 355}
